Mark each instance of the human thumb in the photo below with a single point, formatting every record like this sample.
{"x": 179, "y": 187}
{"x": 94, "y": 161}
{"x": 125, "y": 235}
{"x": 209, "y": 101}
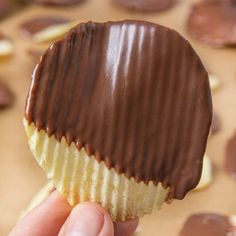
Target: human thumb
{"x": 88, "y": 219}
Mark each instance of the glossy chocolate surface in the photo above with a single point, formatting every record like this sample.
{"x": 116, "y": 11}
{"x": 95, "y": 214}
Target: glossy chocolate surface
{"x": 133, "y": 93}
{"x": 34, "y": 26}
{"x": 207, "y": 224}
{"x": 213, "y": 22}
{"x": 146, "y": 5}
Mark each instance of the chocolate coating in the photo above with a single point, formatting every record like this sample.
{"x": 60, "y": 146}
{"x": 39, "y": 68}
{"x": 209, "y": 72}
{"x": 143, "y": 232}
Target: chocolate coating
{"x": 133, "y": 93}
{"x": 34, "y": 26}
{"x": 230, "y": 161}
{"x": 58, "y": 2}
{"x": 207, "y": 224}
{"x": 146, "y": 5}
{"x": 213, "y": 23}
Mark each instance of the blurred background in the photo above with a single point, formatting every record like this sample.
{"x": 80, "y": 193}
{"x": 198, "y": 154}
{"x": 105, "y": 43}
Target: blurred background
{"x": 20, "y": 49}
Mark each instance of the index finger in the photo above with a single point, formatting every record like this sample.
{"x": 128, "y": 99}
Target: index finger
{"x": 44, "y": 220}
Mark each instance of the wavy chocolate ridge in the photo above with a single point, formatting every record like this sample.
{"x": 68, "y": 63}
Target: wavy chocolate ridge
{"x": 133, "y": 93}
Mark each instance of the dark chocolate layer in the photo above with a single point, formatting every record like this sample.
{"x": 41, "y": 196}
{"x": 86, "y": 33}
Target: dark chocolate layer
{"x": 58, "y": 2}
{"x": 230, "y": 161}
{"x": 213, "y": 22}
{"x": 34, "y": 26}
{"x": 133, "y": 93}
{"x": 146, "y": 5}
{"x": 208, "y": 224}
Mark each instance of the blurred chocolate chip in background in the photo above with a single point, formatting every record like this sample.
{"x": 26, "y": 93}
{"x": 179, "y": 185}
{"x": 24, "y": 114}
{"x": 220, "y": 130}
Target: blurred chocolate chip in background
{"x": 58, "y": 2}
{"x": 216, "y": 124}
{"x": 213, "y": 22}
{"x": 6, "y": 96}
{"x": 8, "y": 7}
{"x": 146, "y": 5}
{"x": 230, "y": 159}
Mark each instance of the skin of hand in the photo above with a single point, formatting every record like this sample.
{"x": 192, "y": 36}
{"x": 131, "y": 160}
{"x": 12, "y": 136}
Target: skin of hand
{"x": 54, "y": 216}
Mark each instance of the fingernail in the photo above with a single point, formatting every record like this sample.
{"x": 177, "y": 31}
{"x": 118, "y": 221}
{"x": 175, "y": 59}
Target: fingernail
{"x": 85, "y": 220}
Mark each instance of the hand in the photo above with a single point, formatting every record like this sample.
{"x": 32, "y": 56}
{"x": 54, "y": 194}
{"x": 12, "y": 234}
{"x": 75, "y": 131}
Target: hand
{"x": 54, "y": 216}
